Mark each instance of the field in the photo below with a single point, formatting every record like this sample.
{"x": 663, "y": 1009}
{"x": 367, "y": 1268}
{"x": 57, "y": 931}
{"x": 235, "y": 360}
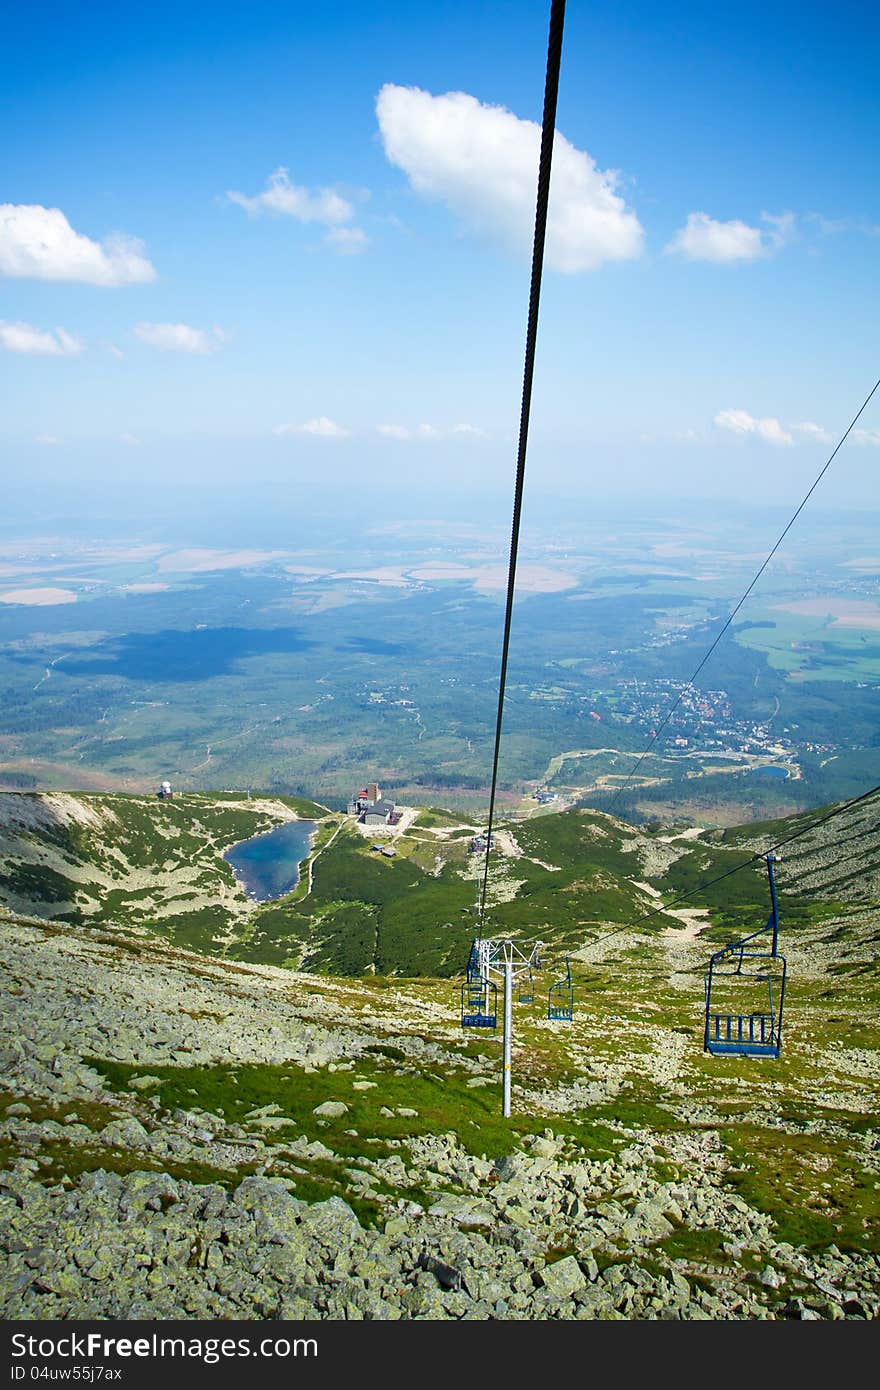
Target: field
{"x": 311, "y": 669}
{"x": 818, "y": 639}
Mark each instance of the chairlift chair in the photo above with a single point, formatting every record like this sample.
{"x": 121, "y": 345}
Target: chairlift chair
{"x": 560, "y": 998}
{"x": 745, "y": 993}
{"x": 479, "y": 1004}
{"x": 479, "y": 995}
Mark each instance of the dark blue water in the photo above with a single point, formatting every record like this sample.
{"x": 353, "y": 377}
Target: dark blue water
{"x": 780, "y": 773}
{"x": 267, "y": 866}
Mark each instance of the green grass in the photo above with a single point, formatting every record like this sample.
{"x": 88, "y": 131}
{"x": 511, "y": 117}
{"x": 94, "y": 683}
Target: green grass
{"x": 814, "y": 647}
{"x": 63, "y": 1158}
{"x": 443, "y": 1101}
{"x": 809, "y": 1184}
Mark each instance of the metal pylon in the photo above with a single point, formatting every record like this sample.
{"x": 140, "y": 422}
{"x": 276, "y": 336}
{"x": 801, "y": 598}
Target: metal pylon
{"x": 502, "y": 956}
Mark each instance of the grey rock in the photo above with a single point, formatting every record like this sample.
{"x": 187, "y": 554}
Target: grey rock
{"x": 563, "y": 1278}
{"x": 126, "y": 1134}
{"x": 463, "y": 1210}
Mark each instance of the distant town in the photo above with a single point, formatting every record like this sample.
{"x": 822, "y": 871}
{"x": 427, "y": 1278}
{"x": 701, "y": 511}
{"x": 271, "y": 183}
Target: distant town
{"x": 684, "y": 719}
{"x": 694, "y": 719}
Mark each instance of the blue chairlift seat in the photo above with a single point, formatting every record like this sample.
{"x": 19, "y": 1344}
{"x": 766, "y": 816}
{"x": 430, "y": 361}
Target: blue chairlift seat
{"x": 479, "y": 1004}
{"x": 756, "y": 1029}
{"x": 560, "y": 998}
{"x": 753, "y": 1035}
{"x": 743, "y": 1015}
{"x": 526, "y": 993}
{"x": 561, "y": 1011}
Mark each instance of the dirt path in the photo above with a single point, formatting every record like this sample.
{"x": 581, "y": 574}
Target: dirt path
{"x": 319, "y": 852}
{"x": 695, "y": 919}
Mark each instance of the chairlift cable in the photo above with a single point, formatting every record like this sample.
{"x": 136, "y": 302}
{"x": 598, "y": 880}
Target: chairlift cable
{"x": 737, "y": 868}
{"x": 762, "y": 854}
{"x": 548, "y": 125}
{"x": 748, "y": 591}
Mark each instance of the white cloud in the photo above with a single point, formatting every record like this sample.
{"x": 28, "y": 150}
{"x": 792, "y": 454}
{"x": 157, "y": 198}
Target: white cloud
{"x": 770, "y": 429}
{"x": 813, "y": 431}
{"x": 426, "y": 431}
{"x": 48, "y": 439}
{"x": 704, "y": 239}
{"x": 322, "y": 205}
{"x": 180, "y": 337}
{"x": 23, "y": 337}
{"x": 39, "y": 243}
{"x": 870, "y": 437}
{"x": 348, "y": 240}
{"x": 741, "y": 422}
{"x": 320, "y": 426}
{"x": 282, "y": 196}
{"x": 131, "y": 439}
{"x": 482, "y": 162}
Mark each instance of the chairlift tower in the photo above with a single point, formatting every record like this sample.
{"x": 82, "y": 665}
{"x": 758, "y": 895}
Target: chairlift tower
{"x": 502, "y": 957}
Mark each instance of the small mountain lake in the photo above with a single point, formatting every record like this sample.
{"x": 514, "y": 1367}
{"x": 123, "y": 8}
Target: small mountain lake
{"x": 267, "y": 866}
{"x": 774, "y": 773}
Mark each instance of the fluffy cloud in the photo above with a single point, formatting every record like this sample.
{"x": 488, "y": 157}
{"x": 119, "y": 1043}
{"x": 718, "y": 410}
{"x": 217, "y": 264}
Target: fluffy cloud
{"x": 482, "y": 163}
{"x": 869, "y": 437}
{"x": 23, "y": 337}
{"x": 741, "y": 422}
{"x": 705, "y": 239}
{"x": 180, "y": 337}
{"x": 39, "y": 243}
{"x": 320, "y": 426}
{"x": 770, "y": 429}
{"x": 813, "y": 431}
{"x": 426, "y": 431}
{"x": 282, "y": 196}
{"x": 323, "y": 205}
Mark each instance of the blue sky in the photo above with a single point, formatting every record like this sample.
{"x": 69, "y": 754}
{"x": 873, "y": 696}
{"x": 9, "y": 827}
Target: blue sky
{"x": 288, "y": 242}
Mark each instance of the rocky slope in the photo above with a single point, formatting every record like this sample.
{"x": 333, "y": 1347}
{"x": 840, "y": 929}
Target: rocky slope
{"x": 184, "y": 1137}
